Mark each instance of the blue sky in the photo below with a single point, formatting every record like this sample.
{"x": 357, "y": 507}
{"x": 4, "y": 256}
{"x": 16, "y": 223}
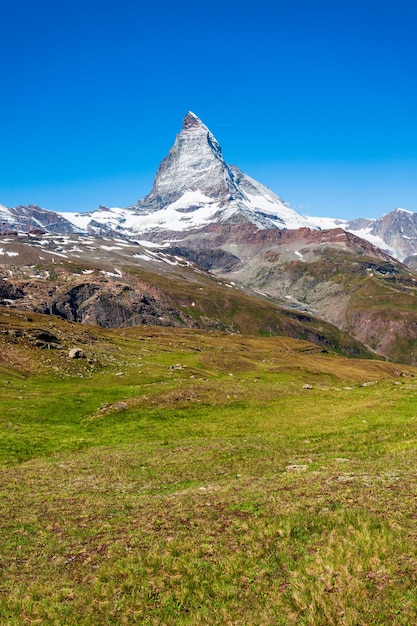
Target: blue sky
{"x": 315, "y": 99}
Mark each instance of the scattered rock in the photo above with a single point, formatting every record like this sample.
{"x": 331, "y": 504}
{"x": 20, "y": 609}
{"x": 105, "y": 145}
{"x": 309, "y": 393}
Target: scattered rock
{"x": 44, "y": 339}
{"x": 115, "y": 407}
{"x": 307, "y": 386}
{"x": 76, "y": 353}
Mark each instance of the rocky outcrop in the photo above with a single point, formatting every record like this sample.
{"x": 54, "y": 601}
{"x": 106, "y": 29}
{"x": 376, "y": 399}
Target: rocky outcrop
{"x": 76, "y": 353}
{"x": 109, "y": 305}
{"x": 194, "y": 163}
{"x": 101, "y": 301}
{"x": 208, "y": 259}
{"x": 393, "y": 336}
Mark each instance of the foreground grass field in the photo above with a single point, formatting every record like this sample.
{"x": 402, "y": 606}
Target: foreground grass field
{"x": 176, "y": 477}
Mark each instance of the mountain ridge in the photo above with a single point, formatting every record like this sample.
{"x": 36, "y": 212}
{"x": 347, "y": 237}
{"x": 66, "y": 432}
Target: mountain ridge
{"x": 194, "y": 187}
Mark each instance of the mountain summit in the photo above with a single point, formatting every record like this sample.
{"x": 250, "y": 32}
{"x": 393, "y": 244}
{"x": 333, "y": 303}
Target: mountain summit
{"x": 194, "y": 168}
{"x": 193, "y": 187}
{"x": 195, "y": 178}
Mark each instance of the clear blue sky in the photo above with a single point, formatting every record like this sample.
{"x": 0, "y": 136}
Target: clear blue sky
{"x": 316, "y": 99}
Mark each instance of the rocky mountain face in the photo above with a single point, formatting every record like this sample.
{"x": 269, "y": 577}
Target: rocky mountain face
{"x": 210, "y": 247}
{"x": 395, "y": 232}
{"x": 194, "y": 178}
{"x": 399, "y": 230}
{"x": 193, "y": 187}
{"x": 330, "y": 274}
{"x": 114, "y": 283}
{"x": 194, "y": 164}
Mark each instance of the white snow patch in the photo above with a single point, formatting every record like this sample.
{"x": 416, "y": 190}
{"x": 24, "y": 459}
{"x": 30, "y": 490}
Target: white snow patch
{"x": 365, "y": 233}
{"x": 168, "y": 218}
{"x": 326, "y": 223}
{"x": 81, "y": 220}
{"x": 169, "y": 261}
{"x": 281, "y": 215}
{"x": 64, "y": 256}
{"x": 146, "y": 257}
{"x": 116, "y": 274}
{"x": 2, "y": 252}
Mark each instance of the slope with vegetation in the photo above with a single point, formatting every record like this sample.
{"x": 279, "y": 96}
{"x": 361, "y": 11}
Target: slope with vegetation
{"x": 192, "y": 477}
{"x": 122, "y": 284}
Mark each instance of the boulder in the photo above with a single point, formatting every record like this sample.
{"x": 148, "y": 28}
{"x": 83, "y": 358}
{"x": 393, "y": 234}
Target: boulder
{"x": 76, "y": 353}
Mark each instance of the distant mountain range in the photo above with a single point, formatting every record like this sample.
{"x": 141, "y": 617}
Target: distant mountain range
{"x": 211, "y": 248}
{"x": 195, "y": 187}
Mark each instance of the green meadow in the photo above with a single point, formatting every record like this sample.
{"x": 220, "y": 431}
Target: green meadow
{"x": 183, "y": 477}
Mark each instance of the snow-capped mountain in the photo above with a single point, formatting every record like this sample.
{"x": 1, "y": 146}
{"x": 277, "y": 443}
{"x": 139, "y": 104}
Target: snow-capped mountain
{"x": 195, "y": 187}
{"x": 209, "y": 223}
{"x": 32, "y": 218}
{"x": 394, "y": 232}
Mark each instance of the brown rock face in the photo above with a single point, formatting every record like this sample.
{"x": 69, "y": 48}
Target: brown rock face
{"x": 190, "y": 121}
{"x": 247, "y": 235}
{"x": 333, "y": 274}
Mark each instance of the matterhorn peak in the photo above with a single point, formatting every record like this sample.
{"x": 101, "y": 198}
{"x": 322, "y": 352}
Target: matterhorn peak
{"x": 194, "y": 187}
{"x": 194, "y": 164}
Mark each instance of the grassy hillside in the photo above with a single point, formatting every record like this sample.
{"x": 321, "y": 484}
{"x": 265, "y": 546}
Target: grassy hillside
{"x": 186, "y": 477}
